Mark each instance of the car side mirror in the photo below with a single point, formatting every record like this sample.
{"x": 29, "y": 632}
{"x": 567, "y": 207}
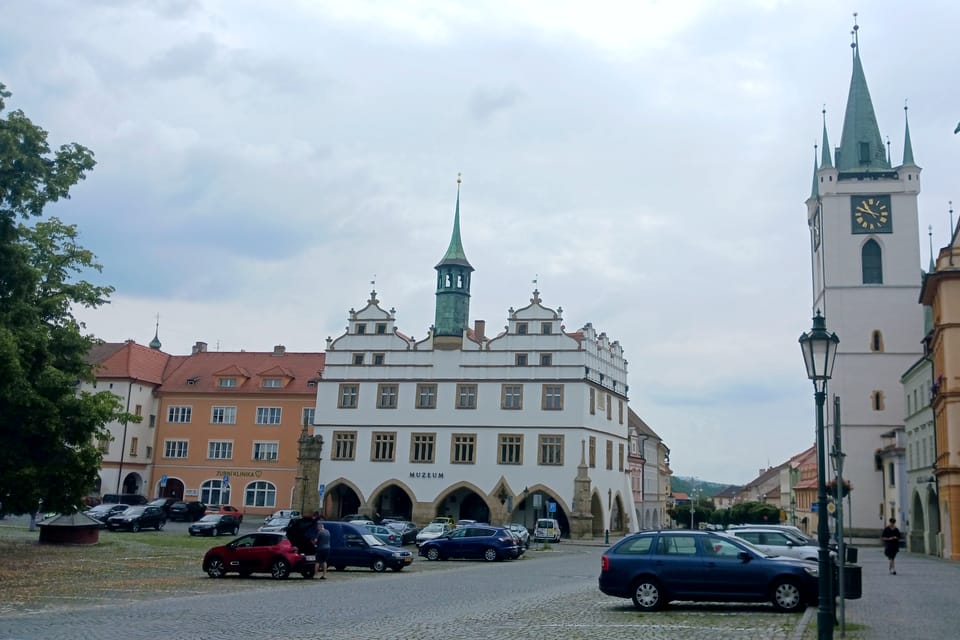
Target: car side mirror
{"x": 744, "y": 556}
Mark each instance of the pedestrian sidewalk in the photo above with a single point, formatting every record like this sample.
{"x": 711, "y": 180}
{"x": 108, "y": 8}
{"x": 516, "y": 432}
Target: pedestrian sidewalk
{"x": 921, "y": 602}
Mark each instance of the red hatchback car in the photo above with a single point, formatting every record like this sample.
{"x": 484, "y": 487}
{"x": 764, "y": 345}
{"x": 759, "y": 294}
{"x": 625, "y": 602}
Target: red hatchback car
{"x": 225, "y": 510}
{"x": 269, "y": 553}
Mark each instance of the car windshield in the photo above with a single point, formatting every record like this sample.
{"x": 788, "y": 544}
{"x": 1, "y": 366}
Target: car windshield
{"x": 749, "y": 545}
{"x": 433, "y": 528}
{"x": 372, "y": 540}
{"x": 133, "y": 511}
{"x": 209, "y": 518}
{"x": 278, "y": 522}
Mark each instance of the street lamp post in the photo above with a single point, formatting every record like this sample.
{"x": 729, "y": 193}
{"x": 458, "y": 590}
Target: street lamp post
{"x": 819, "y": 348}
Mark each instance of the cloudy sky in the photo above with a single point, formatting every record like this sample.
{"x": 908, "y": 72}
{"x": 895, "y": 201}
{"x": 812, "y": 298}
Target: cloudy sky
{"x": 260, "y": 163}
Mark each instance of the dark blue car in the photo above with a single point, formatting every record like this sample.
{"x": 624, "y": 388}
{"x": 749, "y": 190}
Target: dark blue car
{"x": 656, "y": 567}
{"x": 472, "y": 541}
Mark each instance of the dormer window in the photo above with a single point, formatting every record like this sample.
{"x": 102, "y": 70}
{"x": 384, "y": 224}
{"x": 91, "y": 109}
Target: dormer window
{"x": 361, "y": 329}
{"x": 227, "y": 382}
{"x": 521, "y": 328}
{"x": 381, "y": 328}
{"x": 272, "y": 383}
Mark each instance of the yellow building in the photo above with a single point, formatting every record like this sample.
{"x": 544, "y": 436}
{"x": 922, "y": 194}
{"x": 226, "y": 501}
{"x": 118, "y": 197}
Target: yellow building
{"x": 228, "y": 425}
{"x": 941, "y": 291}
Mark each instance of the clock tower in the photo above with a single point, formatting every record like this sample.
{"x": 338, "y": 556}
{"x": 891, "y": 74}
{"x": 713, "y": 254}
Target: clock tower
{"x": 866, "y": 276}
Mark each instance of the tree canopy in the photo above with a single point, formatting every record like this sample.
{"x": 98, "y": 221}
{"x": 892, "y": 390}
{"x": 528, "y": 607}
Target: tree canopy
{"x": 48, "y": 428}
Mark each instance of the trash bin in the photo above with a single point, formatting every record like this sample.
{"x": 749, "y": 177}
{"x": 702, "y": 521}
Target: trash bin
{"x": 852, "y": 581}
{"x": 853, "y": 554}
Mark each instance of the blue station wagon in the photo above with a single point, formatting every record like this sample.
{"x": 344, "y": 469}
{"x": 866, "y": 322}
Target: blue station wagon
{"x": 657, "y": 567}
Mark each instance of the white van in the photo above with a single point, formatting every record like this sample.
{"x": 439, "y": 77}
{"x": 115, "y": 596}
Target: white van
{"x": 547, "y": 529}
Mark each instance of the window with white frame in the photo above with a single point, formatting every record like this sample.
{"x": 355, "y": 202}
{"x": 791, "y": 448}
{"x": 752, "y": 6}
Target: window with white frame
{"x": 272, "y": 383}
{"x": 220, "y": 450}
{"x": 260, "y": 494}
{"x": 268, "y": 415}
{"x": 179, "y": 414}
{"x": 228, "y": 383}
{"x": 223, "y": 415}
{"x": 265, "y": 450}
{"x": 306, "y": 418}
{"x": 175, "y": 448}
{"x": 214, "y": 492}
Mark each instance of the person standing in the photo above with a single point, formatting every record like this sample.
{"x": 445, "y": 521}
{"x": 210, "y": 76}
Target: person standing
{"x": 891, "y": 543}
{"x": 323, "y": 548}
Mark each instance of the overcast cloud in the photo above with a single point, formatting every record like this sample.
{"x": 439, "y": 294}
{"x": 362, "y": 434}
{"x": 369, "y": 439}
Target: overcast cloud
{"x": 259, "y": 163}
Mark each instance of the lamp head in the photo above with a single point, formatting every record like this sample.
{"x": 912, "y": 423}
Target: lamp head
{"x": 819, "y": 348}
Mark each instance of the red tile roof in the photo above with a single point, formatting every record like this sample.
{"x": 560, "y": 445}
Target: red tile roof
{"x": 128, "y": 360}
{"x": 200, "y": 372}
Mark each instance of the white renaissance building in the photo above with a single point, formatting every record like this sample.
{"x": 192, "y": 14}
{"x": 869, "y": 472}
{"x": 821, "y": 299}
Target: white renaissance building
{"x": 531, "y": 422}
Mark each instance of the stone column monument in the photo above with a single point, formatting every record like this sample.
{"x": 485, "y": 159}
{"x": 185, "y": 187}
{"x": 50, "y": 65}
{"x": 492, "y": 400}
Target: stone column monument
{"x": 581, "y": 520}
{"x": 305, "y": 495}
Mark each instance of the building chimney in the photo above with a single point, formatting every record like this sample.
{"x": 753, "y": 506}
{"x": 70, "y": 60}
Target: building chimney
{"x": 200, "y": 347}
{"x": 279, "y": 350}
{"x": 479, "y": 327}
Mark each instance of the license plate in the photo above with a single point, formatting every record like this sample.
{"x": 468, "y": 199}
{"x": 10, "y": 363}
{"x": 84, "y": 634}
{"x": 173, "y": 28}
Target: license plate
{"x": 408, "y": 560}
{"x": 310, "y": 558}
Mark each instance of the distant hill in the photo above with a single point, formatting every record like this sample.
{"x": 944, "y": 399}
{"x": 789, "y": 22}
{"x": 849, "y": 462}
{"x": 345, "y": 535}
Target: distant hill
{"x": 680, "y": 484}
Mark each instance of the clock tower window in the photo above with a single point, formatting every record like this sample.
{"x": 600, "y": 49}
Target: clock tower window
{"x": 871, "y": 262}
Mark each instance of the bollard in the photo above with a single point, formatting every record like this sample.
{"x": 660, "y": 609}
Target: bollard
{"x": 606, "y": 536}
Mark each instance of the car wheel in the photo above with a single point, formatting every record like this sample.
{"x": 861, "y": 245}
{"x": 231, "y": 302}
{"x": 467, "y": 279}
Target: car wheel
{"x": 786, "y": 596}
{"x": 647, "y": 595}
{"x": 433, "y": 553}
{"x": 216, "y": 568}
{"x": 160, "y": 525}
{"x": 379, "y": 565}
{"x": 280, "y": 569}
{"x": 215, "y": 532}
{"x": 135, "y": 527}
{"x": 490, "y": 554}
{"x": 236, "y": 530}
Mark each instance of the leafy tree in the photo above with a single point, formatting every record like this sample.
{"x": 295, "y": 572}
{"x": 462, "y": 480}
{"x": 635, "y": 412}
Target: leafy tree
{"x": 47, "y": 429}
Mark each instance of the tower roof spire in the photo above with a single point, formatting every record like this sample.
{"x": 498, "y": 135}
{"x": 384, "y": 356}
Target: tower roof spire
{"x": 455, "y": 253}
{"x": 907, "y": 145}
{"x": 826, "y": 162}
{"x": 815, "y": 189}
{"x": 861, "y": 146}
{"x": 155, "y": 343}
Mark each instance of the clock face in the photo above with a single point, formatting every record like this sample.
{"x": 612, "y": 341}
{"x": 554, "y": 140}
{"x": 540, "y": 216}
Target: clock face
{"x": 871, "y": 214}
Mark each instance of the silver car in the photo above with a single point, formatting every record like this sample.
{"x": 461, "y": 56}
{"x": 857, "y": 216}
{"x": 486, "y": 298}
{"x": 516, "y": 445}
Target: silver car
{"x": 777, "y": 543}
{"x": 276, "y": 525}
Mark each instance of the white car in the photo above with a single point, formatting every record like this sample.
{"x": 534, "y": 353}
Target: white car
{"x": 276, "y": 525}
{"x": 283, "y": 513}
{"x": 431, "y": 531}
{"x": 777, "y": 543}
{"x": 547, "y": 529}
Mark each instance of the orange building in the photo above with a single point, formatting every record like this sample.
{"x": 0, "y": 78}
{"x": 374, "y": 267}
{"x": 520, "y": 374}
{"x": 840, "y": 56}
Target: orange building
{"x": 228, "y": 425}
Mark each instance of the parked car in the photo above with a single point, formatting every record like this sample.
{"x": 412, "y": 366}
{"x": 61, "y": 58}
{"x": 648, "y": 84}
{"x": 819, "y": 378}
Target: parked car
{"x": 472, "y": 541}
{"x": 138, "y": 517}
{"x": 518, "y": 544}
{"x": 276, "y": 525}
{"x": 431, "y": 531}
{"x": 385, "y": 534}
{"x": 354, "y": 546}
{"x": 796, "y": 532}
{"x": 656, "y": 567}
{"x": 354, "y": 516}
{"x": 258, "y": 553}
{"x": 282, "y": 513}
{"x": 547, "y": 529}
{"x": 408, "y": 531}
{"x": 187, "y": 511}
{"x": 163, "y": 503}
{"x": 226, "y": 510}
{"x": 101, "y": 512}
{"x": 123, "y": 498}
{"x": 522, "y": 532}
{"x": 447, "y": 520}
{"x": 778, "y": 543}
{"x": 213, "y": 525}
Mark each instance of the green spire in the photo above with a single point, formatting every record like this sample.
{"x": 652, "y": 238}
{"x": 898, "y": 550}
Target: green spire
{"x": 933, "y": 265}
{"x": 155, "y": 343}
{"x": 815, "y": 189}
{"x": 455, "y": 253}
{"x": 907, "y": 146}
{"x": 861, "y": 146}
{"x": 826, "y": 162}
